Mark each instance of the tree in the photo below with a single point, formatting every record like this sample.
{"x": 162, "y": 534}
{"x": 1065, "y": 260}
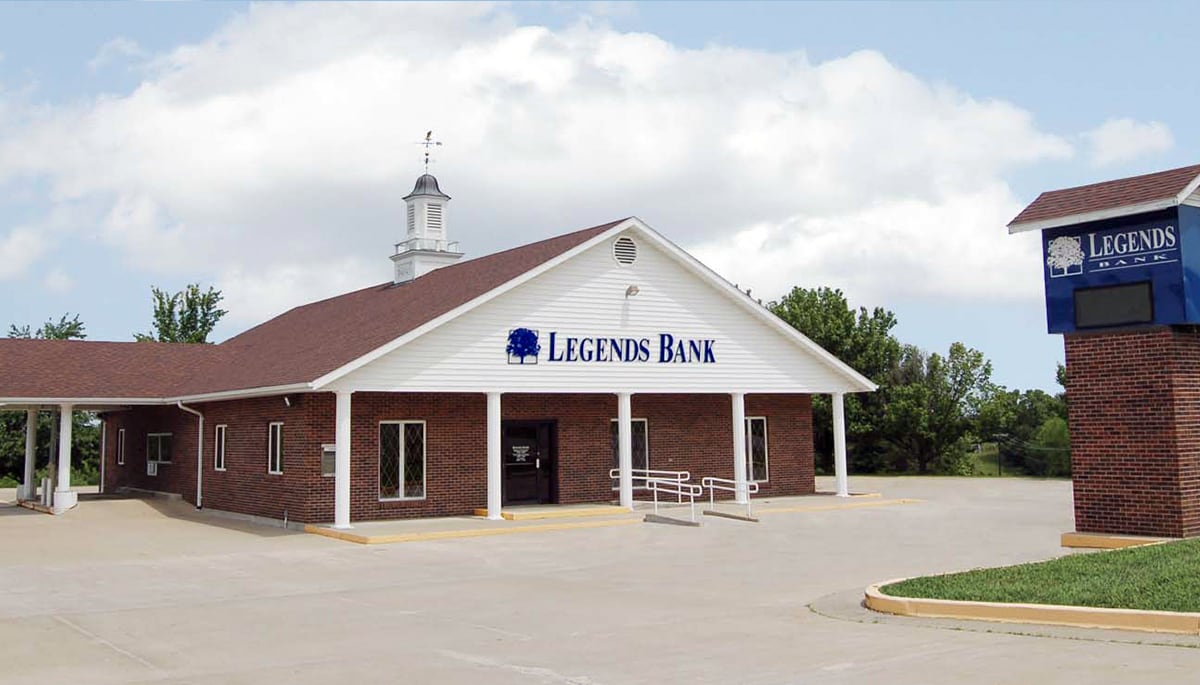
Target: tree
{"x": 862, "y": 340}
{"x": 932, "y": 405}
{"x": 65, "y": 329}
{"x": 187, "y": 316}
{"x": 85, "y": 433}
{"x": 1050, "y": 450}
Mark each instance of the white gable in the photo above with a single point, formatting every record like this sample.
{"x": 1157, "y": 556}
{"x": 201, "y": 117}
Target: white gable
{"x": 730, "y": 347}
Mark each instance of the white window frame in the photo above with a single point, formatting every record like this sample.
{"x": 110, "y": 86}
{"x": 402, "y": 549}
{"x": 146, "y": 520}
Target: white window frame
{"x": 750, "y": 455}
{"x": 159, "y": 435}
{"x": 647, "y": 434}
{"x": 278, "y": 442}
{"x": 326, "y": 449}
{"x": 220, "y": 433}
{"x": 424, "y": 460}
{"x": 120, "y": 447}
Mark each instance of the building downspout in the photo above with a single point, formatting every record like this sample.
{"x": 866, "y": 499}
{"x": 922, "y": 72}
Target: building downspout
{"x": 199, "y": 454}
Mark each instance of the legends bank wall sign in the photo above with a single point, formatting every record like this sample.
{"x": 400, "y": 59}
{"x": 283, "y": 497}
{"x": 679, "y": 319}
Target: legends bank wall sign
{"x": 1112, "y": 250}
{"x": 526, "y": 346}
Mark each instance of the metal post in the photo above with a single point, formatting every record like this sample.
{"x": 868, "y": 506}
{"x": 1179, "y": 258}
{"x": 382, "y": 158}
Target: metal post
{"x": 839, "y": 445}
{"x": 740, "y": 495}
{"x": 494, "y": 471}
{"x": 625, "y": 448}
{"x": 341, "y": 461}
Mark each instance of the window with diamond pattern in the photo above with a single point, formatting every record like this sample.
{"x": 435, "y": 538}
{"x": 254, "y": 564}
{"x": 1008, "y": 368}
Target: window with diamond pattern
{"x": 401, "y": 460}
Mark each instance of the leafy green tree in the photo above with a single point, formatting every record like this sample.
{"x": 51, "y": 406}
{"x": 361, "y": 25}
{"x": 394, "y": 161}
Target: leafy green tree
{"x": 861, "y": 339}
{"x": 932, "y": 406}
{"x": 187, "y": 316}
{"x": 85, "y": 430}
{"x": 1050, "y": 451}
{"x": 65, "y": 329}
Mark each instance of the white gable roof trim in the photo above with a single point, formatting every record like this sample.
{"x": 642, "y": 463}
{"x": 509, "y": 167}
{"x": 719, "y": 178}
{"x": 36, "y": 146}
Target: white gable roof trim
{"x": 853, "y": 381}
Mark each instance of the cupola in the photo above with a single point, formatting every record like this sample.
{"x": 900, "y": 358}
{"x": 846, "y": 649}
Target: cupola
{"x": 426, "y": 245}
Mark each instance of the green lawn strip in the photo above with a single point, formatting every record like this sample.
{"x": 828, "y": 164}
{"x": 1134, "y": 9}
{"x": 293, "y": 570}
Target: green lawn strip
{"x": 1162, "y": 577}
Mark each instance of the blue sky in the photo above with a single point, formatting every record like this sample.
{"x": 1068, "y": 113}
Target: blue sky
{"x": 264, "y": 150}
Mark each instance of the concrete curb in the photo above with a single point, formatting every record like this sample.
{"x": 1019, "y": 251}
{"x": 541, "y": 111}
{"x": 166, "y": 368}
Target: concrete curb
{"x": 349, "y": 536}
{"x": 1049, "y": 614}
{"x": 1103, "y": 541}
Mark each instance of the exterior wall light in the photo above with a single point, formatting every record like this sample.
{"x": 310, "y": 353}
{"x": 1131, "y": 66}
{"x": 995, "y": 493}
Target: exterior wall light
{"x": 631, "y": 291}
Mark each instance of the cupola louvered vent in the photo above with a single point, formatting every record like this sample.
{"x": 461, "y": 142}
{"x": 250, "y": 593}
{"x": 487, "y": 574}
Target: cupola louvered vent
{"x": 624, "y": 250}
{"x": 412, "y": 218}
{"x": 435, "y": 217}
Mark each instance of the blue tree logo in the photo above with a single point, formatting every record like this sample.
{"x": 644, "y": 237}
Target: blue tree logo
{"x": 522, "y": 343}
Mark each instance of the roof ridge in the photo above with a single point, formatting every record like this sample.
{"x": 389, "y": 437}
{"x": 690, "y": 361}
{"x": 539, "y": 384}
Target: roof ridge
{"x": 1126, "y": 179}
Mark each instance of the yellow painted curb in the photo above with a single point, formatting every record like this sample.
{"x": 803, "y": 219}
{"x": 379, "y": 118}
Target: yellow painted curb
{"x": 831, "y": 507}
{"x": 1102, "y": 541}
{"x": 349, "y": 536}
{"x": 1050, "y": 614}
{"x": 537, "y": 514}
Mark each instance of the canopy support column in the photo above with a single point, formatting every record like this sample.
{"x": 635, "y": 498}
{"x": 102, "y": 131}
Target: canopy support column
{"x": 741, "y": 496}
{"x": 341, "y": 461}
{"x": 493, "y": 456}
{"x": 625, "y": 448}
{"x": 64, "y": 497}
{"x": 839, "y": 444}
{"x": 28, "y": 487}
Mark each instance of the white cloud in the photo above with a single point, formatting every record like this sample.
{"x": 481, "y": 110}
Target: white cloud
{"x": 58, "y": 281}
{"x": 1123, "y": 140}
{"x": 272, "y": 157}
{"x": 116, "y": 50}
{"x": 19, "y": 249}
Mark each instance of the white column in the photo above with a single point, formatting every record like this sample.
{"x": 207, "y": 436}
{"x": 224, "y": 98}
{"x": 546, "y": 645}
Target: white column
{"x": 64, "y": 498}
{"x": 739, "y": 448}
{"x": 28, "y": 487}
{"x": 493, "y": 456}
{"x": 341, "y": 461}
{"x": 625, "y": 448}
{"x": 839, "y": 445}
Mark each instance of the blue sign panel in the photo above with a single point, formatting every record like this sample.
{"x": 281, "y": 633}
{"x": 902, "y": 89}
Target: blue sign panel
{"x": 1125, "y": 272}
{"x": 523, "y": 347}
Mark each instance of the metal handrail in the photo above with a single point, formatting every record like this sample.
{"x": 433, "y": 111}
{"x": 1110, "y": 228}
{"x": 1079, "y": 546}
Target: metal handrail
{"x": 644, "y": 475}
{"x": 713, "y": 484}
{"x": 681, "y": 490}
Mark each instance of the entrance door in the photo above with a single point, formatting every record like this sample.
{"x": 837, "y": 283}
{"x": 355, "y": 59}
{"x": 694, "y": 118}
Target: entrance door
{"x": 528, "y": 451}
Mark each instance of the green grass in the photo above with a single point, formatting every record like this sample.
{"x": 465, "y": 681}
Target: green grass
{"x": 1162, "y": 577}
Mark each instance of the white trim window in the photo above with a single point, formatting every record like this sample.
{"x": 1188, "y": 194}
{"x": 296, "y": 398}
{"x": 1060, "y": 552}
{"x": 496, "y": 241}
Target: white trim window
{"x": 219, "y": 446}
{"x": 158, "y": 447}
{"x": 641, "y": 447}
{"x": 401, "y": 460}
{"x": 757, "y": 466}
{"x": 275, "y": 448}
{"x": 120, "y": 447}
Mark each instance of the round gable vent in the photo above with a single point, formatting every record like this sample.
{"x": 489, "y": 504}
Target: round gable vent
{"x": 624, "y": 250}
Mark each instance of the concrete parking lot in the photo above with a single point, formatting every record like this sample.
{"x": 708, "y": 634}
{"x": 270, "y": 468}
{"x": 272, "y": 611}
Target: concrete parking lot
{"x": 127, "y": 591}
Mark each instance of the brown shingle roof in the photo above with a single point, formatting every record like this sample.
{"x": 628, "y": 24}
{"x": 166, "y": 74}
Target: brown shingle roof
{"x": 1123, "y": 192}
{"x": 298, "y": 346}
{"x": 83, "y": 368}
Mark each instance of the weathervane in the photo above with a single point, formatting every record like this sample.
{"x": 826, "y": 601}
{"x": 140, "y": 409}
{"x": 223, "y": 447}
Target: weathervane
{"x": 429, "y": 142}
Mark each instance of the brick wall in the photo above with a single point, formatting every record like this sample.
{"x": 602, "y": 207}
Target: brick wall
{"x": 686, "y": 432}
{"x": 1134, "y": 414}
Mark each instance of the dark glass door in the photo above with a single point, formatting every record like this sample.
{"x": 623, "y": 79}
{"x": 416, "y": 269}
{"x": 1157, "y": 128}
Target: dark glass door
{"x": 528, "y": 452}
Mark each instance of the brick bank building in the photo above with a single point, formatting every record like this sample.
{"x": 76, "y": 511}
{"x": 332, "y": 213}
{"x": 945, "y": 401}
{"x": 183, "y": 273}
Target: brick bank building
{"x": 520, "y": 377}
